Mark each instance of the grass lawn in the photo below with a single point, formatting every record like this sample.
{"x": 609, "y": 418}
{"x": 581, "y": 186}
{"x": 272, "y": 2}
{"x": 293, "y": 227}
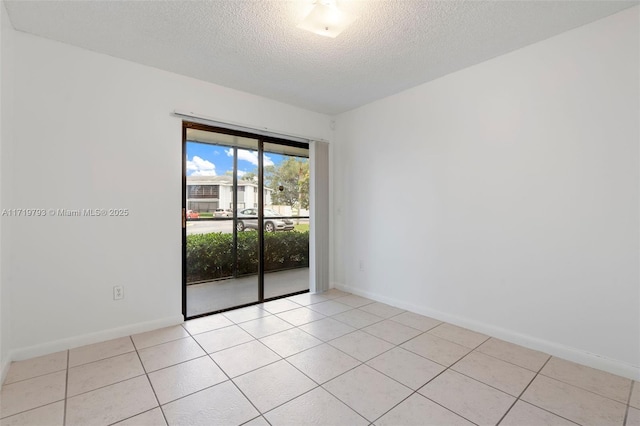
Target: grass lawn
{"x": 303, "y": 227}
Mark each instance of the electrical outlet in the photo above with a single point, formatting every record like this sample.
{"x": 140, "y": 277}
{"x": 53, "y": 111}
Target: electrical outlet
{"x": 118, "y": 292}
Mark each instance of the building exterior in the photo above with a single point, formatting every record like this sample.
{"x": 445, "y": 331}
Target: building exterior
{"x": 208, "y": 193}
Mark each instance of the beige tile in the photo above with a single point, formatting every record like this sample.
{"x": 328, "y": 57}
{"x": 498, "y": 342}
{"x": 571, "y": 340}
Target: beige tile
{"x": 156, "y": 337}
{"x": 221, "y": 404}
{"x": 436, "y": 349}
{"x": 149, "y": 418}
{"x": 183, "y": 379}
{"x": 204, "y": 324}
{"x": 308, "y": 299}
{"x": 94, "y": 375}
{"x": 49, "y": 415}
{"x": 98, "y": 351}
{"x": 524, "y": 414}
{"x": 275, "y": 384}
{"x": 223, "y": 338}
{"x": 317, "y": 407}
{"x": 391, "y": 331}
{"x": 357, "y": 318}
{"x": 32, "y": 393}
{"x": 360, "y": 345}
{"x": 419, "y": 411}
{"x": 244, "y": 358}
{"x": 280, "y": 305}
{"x": 573, "y": 403}
{"x": 258, "y": 421}
{"x": 265, "y": 326}
{"x": 246, "y": 314}
{"x": 330, "y": 307}
{"x": 323, "y": 363}
{"x": 300, "y": 316}
{"x": 289, "y": 342}
{"x": 170, "y": 353}
{"x": 633, "y": 417}
{"x": 111, "y": 404}
{"x": 515, "y": 354}
{"x": 34, "y": 367}
{"x": 468, "y": 398}
{"x": 597, "y": 381}
{"x": 416, "y": 321}
{"x": 406, "y": 367}
{"x": 635, "y": 395}
{"x": 327, "y": 329}
{"x": 367, "y": 391}
{"x": 354, "y": 301}
{"x": 507, "y": 377}
{"x": 382, "y": 310}
{"x": 459, "y": 335}
{"x": 334, "y": 293}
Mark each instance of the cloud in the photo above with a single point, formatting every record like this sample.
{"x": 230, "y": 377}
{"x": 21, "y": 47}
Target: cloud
{"x": 200, "y": 167}
{"x": 250, "y": 156}
{"x": 241, "y": 173}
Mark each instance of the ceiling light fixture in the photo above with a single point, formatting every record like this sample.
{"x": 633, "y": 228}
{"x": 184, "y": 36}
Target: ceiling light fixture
{"x": 326, "y": 19}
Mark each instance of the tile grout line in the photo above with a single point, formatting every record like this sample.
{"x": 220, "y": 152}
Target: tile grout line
{"x": 101, "y": 359}
{"x": 161, "y": 343}
{"x": 435, "y": 377}
{"x": 523, "y": 391}
{"x": 580, "y": 387}
{"x": 255, "y": 418}
{"x": 365, "y": 363}
{"x": 208, "y": 355}
{"x": 545, "y": 409}
{"x": 509, "y": 362}
{"x": 144, "y": 369}
{"x": 395, "y": 346}
{"x": 261, "y": 415}
{"x": 626, "y": 411}
{"x": 320, "y": 385}
{"x": 66, "y": 390}
{"x": 228, "y": 377}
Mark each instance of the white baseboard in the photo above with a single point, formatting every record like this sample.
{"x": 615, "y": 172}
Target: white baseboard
{"x": 552, "y": 348}
{"x": 87, "y": 339}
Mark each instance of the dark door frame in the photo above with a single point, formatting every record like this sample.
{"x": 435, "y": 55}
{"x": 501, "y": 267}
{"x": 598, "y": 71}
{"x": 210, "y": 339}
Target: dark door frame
{"x": 261, "y": 140}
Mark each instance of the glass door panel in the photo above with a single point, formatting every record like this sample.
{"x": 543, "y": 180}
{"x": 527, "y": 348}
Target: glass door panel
{"x": 286, "y": 219}
{"x": 222, "y": 264}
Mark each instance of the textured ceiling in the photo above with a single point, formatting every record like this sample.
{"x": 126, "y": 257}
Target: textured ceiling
{"x": 255, "y": 46}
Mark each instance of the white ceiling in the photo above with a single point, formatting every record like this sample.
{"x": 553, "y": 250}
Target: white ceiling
{"x": 254, "y": 45}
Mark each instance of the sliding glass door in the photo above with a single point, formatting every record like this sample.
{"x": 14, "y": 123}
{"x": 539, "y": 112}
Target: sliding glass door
{"x": 246, "y": 221}
{"x": 286, "y": 254}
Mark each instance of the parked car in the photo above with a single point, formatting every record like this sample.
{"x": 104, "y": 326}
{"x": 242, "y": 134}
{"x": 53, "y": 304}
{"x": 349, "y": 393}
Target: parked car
{"x": 223, "y": 213}
{"x": 270, "y": 225}
{"x": 192, "y": 215}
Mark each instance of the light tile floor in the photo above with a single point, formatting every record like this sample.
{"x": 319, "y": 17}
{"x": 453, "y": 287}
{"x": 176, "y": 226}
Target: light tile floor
{"x": 325, "y": 359}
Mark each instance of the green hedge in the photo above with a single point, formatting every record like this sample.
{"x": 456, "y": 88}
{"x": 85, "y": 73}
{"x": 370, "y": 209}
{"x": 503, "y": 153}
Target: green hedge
{"x": 210, "y": 256}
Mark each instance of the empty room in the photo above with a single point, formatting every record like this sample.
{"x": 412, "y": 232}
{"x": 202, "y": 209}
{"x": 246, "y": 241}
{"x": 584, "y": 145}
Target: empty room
{"x": 323, "y": 212}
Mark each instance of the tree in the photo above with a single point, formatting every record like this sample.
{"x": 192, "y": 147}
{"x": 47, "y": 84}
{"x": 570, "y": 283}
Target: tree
{"x": 250, "y": 176}
{"x": 293, "y": 176}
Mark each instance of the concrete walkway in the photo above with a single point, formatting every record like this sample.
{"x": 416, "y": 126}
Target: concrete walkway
{"x": 215, "y": 295}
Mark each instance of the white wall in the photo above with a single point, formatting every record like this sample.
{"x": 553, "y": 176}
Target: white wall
{"x": 92, "y": 131}
{"x": 6, "y": 31}
{"x": 3, "y": 363}
{"x": 527, "y": 226}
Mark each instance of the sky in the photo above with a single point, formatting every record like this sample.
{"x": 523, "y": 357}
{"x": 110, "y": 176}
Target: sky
{"x": 215, "y": 160}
